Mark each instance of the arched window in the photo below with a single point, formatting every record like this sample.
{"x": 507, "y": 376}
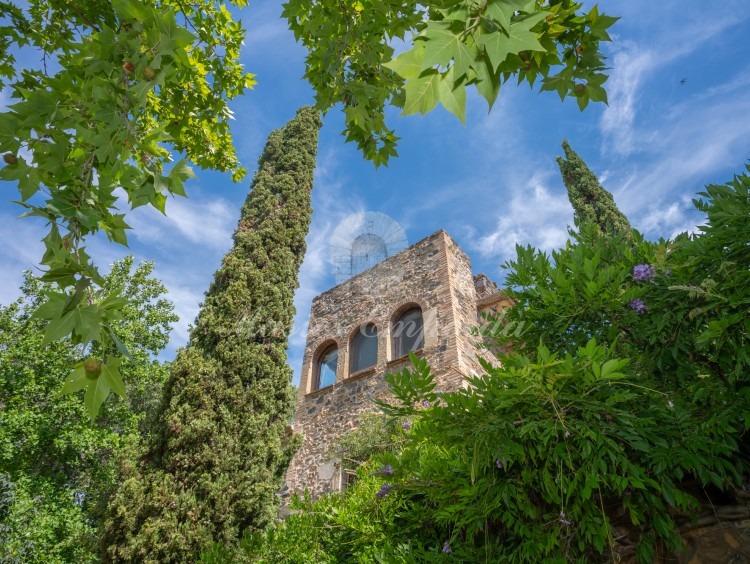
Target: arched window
{"x": 408, "y": 332}
{"x": 325, "y": 371}
{"x": 364, "y": 348}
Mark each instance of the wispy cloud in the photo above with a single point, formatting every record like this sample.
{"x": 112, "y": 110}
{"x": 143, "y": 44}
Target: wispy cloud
{"x": 534, "y": 215}
{"x": 21, "y": 250}
{"x": 633, "y": 67}
{"x": 623, "y": 90}
{"x": 199, "y": 221}
{"x": 670, "y": 219}
{"x": 698, "y": 138}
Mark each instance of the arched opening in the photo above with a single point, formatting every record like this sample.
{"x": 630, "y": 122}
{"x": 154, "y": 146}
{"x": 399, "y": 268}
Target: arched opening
{"x": 325, "y": 368}
{"x": 408, "y": 332}
{"x": 363, "y": 349}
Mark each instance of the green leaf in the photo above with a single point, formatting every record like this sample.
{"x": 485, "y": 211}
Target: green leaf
{"x": 487, "y": 81}
{"x": 123, "y": 350}
{"x": 443, "y": 46}
{"x": 75, "y": 381}
{"x": 599, "y": 23}
{"x": 182, "y": 172}
{"x": 111, "y": 372}
{"x": 60, "y": 327}
{"x": 99, "y": 388}
{"x": 453, "y": 95}
{"x": 79, "y": 321}
{"x": 522, "y": 38}
{"x": 558, "y": 83}
{"x": 498, "y": 45}
{"x": 422, "y": 93}
{"x": 408, "y": 64}
{"x": 502, "y": 11}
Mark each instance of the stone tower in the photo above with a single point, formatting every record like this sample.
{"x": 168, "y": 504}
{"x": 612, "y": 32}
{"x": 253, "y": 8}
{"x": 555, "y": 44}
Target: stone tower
{"x": 423, "y": 299}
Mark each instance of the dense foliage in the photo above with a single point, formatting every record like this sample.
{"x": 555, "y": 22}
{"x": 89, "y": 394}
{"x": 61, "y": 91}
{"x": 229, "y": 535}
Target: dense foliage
{"x": 56, "y": 470}
{"x": 592, "y": 204}
{"x": 621, "y": 413}
{"x": 114, "y": 92}
{"x": 453, "y": 45}
{"x": 221, "y": 446}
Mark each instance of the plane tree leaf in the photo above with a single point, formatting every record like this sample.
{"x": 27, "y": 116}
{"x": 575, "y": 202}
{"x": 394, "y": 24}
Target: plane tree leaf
{"x": 134, "y": 85}
{"x": 483, "y": 44}
{"x": 422, "y": 93}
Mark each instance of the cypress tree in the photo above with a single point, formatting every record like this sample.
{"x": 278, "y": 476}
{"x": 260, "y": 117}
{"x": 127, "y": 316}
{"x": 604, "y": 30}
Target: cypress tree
{"x": 221, "y": 447}
{"x": 591, "y": 202}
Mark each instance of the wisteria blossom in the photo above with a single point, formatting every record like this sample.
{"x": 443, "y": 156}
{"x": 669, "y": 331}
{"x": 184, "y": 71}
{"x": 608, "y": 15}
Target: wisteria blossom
{"x": 638, "y": 305}
{"x": 643, "y": 272}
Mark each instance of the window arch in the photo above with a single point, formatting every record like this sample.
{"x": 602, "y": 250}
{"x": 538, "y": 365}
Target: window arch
{"x": 408, "y": 332}
{"x": 325, "y": 368}
{"x": 363, "y": 348}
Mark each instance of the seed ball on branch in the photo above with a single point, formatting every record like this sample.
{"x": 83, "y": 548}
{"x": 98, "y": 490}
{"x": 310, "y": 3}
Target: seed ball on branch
{"x": 93, "y": 368}
{"x": 10, "y": 158}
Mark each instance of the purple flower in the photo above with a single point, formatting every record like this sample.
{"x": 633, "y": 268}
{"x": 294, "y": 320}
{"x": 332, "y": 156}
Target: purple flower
{"x": 425, "y": 403}
{"x": 638, "y": 305}
{"x": 563, "y": 520}
{"x": 643, "y": 272}
{"x": 447, "y": 548}
{"x": 385, "y": 489}
{"x": 387, "y": 471}
{"x": 499, "y": 464}
{"x": 406, "y": 425}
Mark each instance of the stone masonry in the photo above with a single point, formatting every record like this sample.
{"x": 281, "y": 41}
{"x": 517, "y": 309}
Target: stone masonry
{"x": 435, "y": 275}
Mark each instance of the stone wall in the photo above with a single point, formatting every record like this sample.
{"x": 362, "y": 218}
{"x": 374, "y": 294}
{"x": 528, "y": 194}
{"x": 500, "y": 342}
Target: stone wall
{"x": 434, "y": 274}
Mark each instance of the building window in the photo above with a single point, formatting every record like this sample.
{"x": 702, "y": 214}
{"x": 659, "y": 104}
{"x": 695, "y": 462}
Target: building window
{"x": 408, "y": 333}
{"x": 364, "y": 348}
{"x": 326, "y": 368}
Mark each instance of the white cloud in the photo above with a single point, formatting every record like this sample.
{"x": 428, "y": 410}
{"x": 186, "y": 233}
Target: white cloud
{"x": 186, "y": 301}
{"x": 21, "y": 250}
{"x": 700, "y": 137}
{"x": 623, "y": 89}
{"x": 207, "y": 223}
{"x": 633, "y": 66}
{"x": 534, "y": 215}
{"x": 669, "y": 219}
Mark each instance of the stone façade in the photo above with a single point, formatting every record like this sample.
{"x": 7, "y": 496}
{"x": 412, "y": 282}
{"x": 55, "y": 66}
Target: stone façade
{"x": 434, "y": 274}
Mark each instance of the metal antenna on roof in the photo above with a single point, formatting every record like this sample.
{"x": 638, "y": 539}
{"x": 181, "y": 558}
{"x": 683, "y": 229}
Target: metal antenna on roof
{"x": 362, "y": 240}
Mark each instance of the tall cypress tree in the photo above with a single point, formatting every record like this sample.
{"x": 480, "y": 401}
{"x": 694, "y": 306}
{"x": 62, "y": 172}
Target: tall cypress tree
{"x": 221, "y": 449}
{"x": 591, "y": 202}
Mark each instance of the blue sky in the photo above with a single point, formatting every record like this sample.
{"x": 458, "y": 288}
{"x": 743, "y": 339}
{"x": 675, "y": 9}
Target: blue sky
{"x": 490, "y": 184}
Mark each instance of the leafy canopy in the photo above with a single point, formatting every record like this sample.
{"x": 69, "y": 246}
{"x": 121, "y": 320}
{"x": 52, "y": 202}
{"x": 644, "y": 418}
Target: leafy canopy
{"x": 124, "y": 88}
{"x": 453, "y": 45}
{"x": 58, "y": 470}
